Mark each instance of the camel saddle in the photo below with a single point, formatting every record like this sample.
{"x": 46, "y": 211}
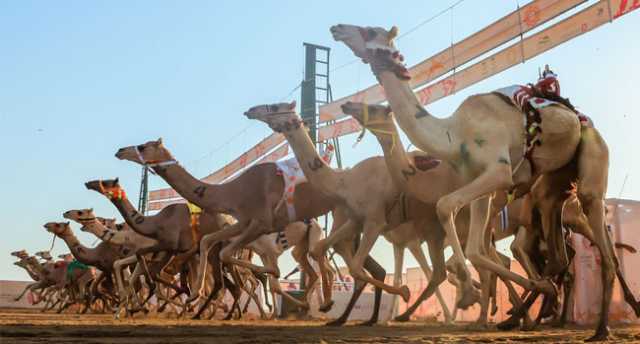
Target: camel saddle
{"x": 292, "y": 175}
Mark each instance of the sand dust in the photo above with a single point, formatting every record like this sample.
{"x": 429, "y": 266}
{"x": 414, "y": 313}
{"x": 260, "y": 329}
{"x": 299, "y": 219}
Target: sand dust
{"x": 31, "y": 326}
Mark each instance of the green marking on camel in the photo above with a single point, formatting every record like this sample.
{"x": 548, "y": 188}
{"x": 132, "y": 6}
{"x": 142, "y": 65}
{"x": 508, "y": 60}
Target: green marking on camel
{"x": 75, "y": 264}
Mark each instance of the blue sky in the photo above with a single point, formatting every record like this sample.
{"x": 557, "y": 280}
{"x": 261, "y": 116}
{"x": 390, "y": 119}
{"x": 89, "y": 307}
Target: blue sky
{"x": 80, "y": 80}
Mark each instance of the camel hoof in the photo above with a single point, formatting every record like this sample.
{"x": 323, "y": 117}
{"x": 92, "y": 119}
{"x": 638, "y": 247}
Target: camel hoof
{"x": 367, "y": 323}
{"x": 402, "y": 317}
{"x": 405, "y": 293}
{"x": 509, "y": 324}
{"x": 601, "y": 335}
{"x": 326, "y": 307}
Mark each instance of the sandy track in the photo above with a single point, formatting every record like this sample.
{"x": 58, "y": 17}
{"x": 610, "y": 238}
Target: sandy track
{"x": 34, "y": 327}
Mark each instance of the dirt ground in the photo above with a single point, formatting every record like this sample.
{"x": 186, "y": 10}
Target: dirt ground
{"x": 27, "y": 326}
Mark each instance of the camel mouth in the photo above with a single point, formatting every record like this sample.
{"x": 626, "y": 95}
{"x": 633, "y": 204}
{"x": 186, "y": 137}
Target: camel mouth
{"x": 250, "y": 115}
{"x": 336, "y": 32}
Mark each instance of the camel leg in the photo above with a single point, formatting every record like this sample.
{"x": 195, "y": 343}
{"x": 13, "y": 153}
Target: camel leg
{"x": 379, "y": 273}
{"x": 495, "y": 177}
{"x": 253, "y": 232}
{"x": 263, "y": 282}
{"x": 346, "y": 231}
{"x": 480, "y": 260}
{"x": 29, "y": 287}
{"x": 436, "y": 253}
{"x": 521, "y": 245}
{"x": 206, "y": 243}
{"x": 299, "y": 254}
{"x": 372, "y": 229}
{"x": 398, "y": 262}
{"x": 418, "y": 254}
{"x": 217, "y": 274}
{"x": 326, "y": 273}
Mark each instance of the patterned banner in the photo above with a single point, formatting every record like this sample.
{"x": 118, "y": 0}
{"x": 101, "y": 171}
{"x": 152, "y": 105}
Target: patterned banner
{"x": 584, "y": 21}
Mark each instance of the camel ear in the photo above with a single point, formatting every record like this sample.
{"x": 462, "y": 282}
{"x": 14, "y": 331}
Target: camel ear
{"x": 393, "y": 32}
{"x": 91, "y": 210}
{"x": 159, "y": 141}
{"x": 116, "y": 181}
{"x": 67, "y": 223}
{"x": 292, "y": 105}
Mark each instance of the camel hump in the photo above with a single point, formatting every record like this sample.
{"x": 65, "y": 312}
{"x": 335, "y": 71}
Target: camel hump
{"x": 425, "y": 162}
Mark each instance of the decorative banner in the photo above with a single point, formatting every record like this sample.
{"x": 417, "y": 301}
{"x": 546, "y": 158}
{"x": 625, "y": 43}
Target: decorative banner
{"x": 499, "y": 32}
{"x": 532, "y": 15}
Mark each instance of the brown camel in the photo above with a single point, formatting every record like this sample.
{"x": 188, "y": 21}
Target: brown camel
{"x": 174, "y": 228}
{"x": 485, "y": 140}
{"x": 257, "y": 212}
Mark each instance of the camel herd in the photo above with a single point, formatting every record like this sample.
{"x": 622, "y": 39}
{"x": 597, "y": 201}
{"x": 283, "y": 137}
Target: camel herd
{"x": 541, "y": 169}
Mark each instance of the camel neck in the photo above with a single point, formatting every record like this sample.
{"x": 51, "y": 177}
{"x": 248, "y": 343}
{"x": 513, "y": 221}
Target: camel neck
{"x": 398, "y": 163}
{"x": 133, "y": 218}
{"x": 204, "y": 195}
{"x": 430, "y": 134}
{"x": 315, "y": 169}
{"x": 80, "y": 252}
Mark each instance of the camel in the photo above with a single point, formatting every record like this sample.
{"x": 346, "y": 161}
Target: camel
{"x": 55, "y": 275}
{"x": 486, "y": 142}
{"x": 354, "y": 187}
{"x": 257, "y": 212}
{"x": 126, "y": 240}
{"x": 174, "y": 230}
{"x": 430, "y": 181}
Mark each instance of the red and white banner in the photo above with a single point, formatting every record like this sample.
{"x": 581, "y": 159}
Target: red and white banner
{"x": 530, "y": 16}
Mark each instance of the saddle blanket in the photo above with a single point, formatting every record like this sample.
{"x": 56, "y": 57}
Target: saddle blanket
{"x": 522, "y": 95}
{"x": 293, "y": 175}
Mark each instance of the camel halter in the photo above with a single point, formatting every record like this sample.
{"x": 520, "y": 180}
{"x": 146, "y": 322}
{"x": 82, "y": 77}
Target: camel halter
{"x": 153, "y": 163}
{"x": 114, "y": 192}
{"x": 366, "y": 124}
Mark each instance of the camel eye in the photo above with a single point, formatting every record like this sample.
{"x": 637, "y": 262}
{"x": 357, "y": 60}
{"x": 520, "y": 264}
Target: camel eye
{"x": 141, "y": 147}
{"x": 371, "y": 34}
{"x": 80, "y": 212}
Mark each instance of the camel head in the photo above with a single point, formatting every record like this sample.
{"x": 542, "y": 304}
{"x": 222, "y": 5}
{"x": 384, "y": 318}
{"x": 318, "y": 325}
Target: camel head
{"x": 60, "y": 229}
{"x": 280, "y": 117}
{"x": 22, "y": 254}
{"x": 81, "y": 216}
{"x": 370, "y": 116}
{"x": 374, "y": 45}
{"x": 110, "y": 188}
{"x": 152, "y": 153}
{"x": 109, "y": 223}
{"x": 21, "y": 263}
{"x": 66, "y": 257}
{"x": 46, "y": 255}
